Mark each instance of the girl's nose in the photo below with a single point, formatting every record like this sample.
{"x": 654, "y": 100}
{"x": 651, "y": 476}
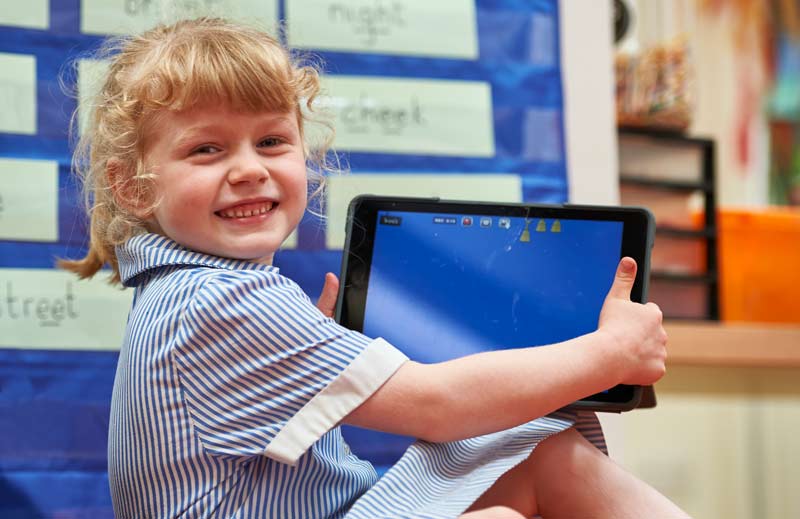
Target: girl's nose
{"x": 248, "y": 167}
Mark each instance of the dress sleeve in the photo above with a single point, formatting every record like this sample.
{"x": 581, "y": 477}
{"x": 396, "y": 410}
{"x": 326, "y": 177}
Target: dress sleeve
{"x": 263, "y": 371}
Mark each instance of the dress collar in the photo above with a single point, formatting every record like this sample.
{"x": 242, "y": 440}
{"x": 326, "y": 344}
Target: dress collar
{"x": 150, "y": 251}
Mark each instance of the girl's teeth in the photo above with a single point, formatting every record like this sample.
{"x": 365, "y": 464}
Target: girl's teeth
{"x": 251, "y": 211}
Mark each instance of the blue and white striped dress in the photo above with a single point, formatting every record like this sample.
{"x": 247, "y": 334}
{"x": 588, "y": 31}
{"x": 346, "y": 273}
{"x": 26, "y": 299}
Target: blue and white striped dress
{"x": 228, "y": 392}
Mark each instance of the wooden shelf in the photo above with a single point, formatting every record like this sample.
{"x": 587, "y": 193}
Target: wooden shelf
{"x": 675, "y": 185}
{"x": 681, "y": 277}
{"x": 676, "y": 232}
{"x": 662, "y": 135}
{"x": 708, "y": 343}
{"x": 648, "y": 183}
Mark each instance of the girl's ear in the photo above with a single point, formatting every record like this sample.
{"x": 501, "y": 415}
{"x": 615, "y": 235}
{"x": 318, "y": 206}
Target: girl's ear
{"x": 128, "y": 193}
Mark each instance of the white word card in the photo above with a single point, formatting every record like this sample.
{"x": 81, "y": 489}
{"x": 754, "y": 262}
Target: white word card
{"x": 53, "y": 309}
{"x": 134, "y": 16}
{"x": 91, "y": 74}
{"x": 411, "y": 116}
{"x": 28, "y": 200}
{"x": 441, "y": 28}
{"x": 31, "y": 14}
{"x": 17, "y": 93}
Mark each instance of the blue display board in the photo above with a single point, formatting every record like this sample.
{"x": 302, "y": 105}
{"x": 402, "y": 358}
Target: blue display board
{"x": 54, "y": 403}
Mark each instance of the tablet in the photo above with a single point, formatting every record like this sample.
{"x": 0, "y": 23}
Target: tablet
{"x": 443, "y": 279}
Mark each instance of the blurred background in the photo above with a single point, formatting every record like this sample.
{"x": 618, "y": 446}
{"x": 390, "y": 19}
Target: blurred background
{"x": 711, "y": 87}
{"x": 690, "y": 108}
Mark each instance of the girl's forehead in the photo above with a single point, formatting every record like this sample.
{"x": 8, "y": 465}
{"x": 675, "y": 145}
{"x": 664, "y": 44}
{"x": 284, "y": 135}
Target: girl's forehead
{"x": 223, "y": 115}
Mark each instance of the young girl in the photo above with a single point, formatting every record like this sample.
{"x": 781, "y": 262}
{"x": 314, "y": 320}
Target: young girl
{"x": 231, "y": 384}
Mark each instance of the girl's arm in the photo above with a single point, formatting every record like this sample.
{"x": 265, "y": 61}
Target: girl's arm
{"x": 491, "y": 391}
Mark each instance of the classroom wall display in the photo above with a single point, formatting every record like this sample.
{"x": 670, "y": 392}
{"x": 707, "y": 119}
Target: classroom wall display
{"x": 451, "y": 98}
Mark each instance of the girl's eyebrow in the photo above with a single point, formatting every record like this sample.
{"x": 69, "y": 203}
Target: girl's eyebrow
{"x": 194, "y": 132}
{"x": 282, "y": 121}
{"x": 201, "y": 130}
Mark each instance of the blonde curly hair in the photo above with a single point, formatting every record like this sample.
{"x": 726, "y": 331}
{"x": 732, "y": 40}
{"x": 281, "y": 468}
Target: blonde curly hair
{"x": 175, "y": 67}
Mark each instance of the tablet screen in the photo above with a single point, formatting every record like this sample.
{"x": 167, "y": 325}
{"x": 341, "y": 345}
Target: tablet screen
{"x": 443, "y": 286}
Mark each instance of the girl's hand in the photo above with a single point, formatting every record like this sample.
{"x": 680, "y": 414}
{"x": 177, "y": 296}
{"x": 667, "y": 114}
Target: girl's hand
{"x": 330, "y": 291}
{"x": 638, "y": 340}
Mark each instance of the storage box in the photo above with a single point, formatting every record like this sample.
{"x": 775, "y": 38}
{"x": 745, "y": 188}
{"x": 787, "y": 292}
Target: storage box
{"x": 759, "y": 256}
{"x": 679, "y": 255}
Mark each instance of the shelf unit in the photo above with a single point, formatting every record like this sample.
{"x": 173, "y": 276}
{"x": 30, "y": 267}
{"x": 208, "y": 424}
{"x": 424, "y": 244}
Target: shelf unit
{"x": 656, "y": 168}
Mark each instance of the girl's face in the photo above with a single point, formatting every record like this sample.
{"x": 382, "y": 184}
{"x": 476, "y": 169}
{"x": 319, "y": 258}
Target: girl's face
{"x": 231, "y": 184}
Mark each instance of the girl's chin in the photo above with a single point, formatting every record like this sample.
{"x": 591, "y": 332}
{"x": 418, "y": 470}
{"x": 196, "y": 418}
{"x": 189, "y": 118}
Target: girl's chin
{"x": 257, "y": 248}
{"x": 262, "y": 255}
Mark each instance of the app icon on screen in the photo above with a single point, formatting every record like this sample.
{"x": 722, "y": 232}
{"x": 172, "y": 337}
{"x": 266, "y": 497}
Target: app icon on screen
{"x": 466, "y": 221}
{"x": 486, "y": 222}
{"x": 504, "y": 223}
{"x": 526, "y": 234}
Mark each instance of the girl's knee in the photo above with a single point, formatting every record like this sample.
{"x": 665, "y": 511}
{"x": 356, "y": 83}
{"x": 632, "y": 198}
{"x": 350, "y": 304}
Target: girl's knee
{"x": 565, "y": 442}
{"x": 494, "y": 512}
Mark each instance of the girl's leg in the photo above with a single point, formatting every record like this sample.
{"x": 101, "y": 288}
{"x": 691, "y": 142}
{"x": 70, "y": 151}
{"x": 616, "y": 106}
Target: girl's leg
{"x": 566, "y": 476}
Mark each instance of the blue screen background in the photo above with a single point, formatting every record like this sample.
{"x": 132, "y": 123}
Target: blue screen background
{"x": 438, "y": 291}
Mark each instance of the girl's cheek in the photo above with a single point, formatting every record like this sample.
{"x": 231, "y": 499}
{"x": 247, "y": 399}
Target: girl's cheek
{"x": 195, "y": 190}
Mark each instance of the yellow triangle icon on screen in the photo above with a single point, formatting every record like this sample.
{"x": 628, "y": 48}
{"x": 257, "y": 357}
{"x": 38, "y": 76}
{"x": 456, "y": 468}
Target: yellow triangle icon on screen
{"x": 541, "y": 226}
{"x": 526, "y": 234}
{"x": 556, "y": 227}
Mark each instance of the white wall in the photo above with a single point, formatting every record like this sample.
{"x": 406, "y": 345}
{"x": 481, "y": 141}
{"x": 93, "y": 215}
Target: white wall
{"x": 590, "y": 126}
{"x": 587, "y": 60}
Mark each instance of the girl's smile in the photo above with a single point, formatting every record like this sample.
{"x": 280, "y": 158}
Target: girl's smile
{"x": 231, "y": 184}
{"x": 246, "y": 210}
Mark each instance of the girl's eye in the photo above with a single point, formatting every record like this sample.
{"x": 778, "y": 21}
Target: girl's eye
{"x": 205, "y": 149}
{"x": 271, "y": 142}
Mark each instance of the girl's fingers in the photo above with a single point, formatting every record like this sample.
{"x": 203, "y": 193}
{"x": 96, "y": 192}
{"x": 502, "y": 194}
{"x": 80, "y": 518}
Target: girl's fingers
{"x": 623, "y": 281}
{"x": 330, "y": 291}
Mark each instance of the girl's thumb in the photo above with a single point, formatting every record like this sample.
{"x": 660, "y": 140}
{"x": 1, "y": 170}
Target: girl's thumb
{"x": 623, "y": 281}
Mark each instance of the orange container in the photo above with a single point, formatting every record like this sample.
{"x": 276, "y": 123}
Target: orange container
{"x": 759, "y": 258}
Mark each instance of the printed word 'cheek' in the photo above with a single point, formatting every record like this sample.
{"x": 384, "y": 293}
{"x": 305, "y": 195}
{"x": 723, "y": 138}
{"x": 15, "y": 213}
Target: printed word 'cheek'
{"x": 367, "y": 115}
